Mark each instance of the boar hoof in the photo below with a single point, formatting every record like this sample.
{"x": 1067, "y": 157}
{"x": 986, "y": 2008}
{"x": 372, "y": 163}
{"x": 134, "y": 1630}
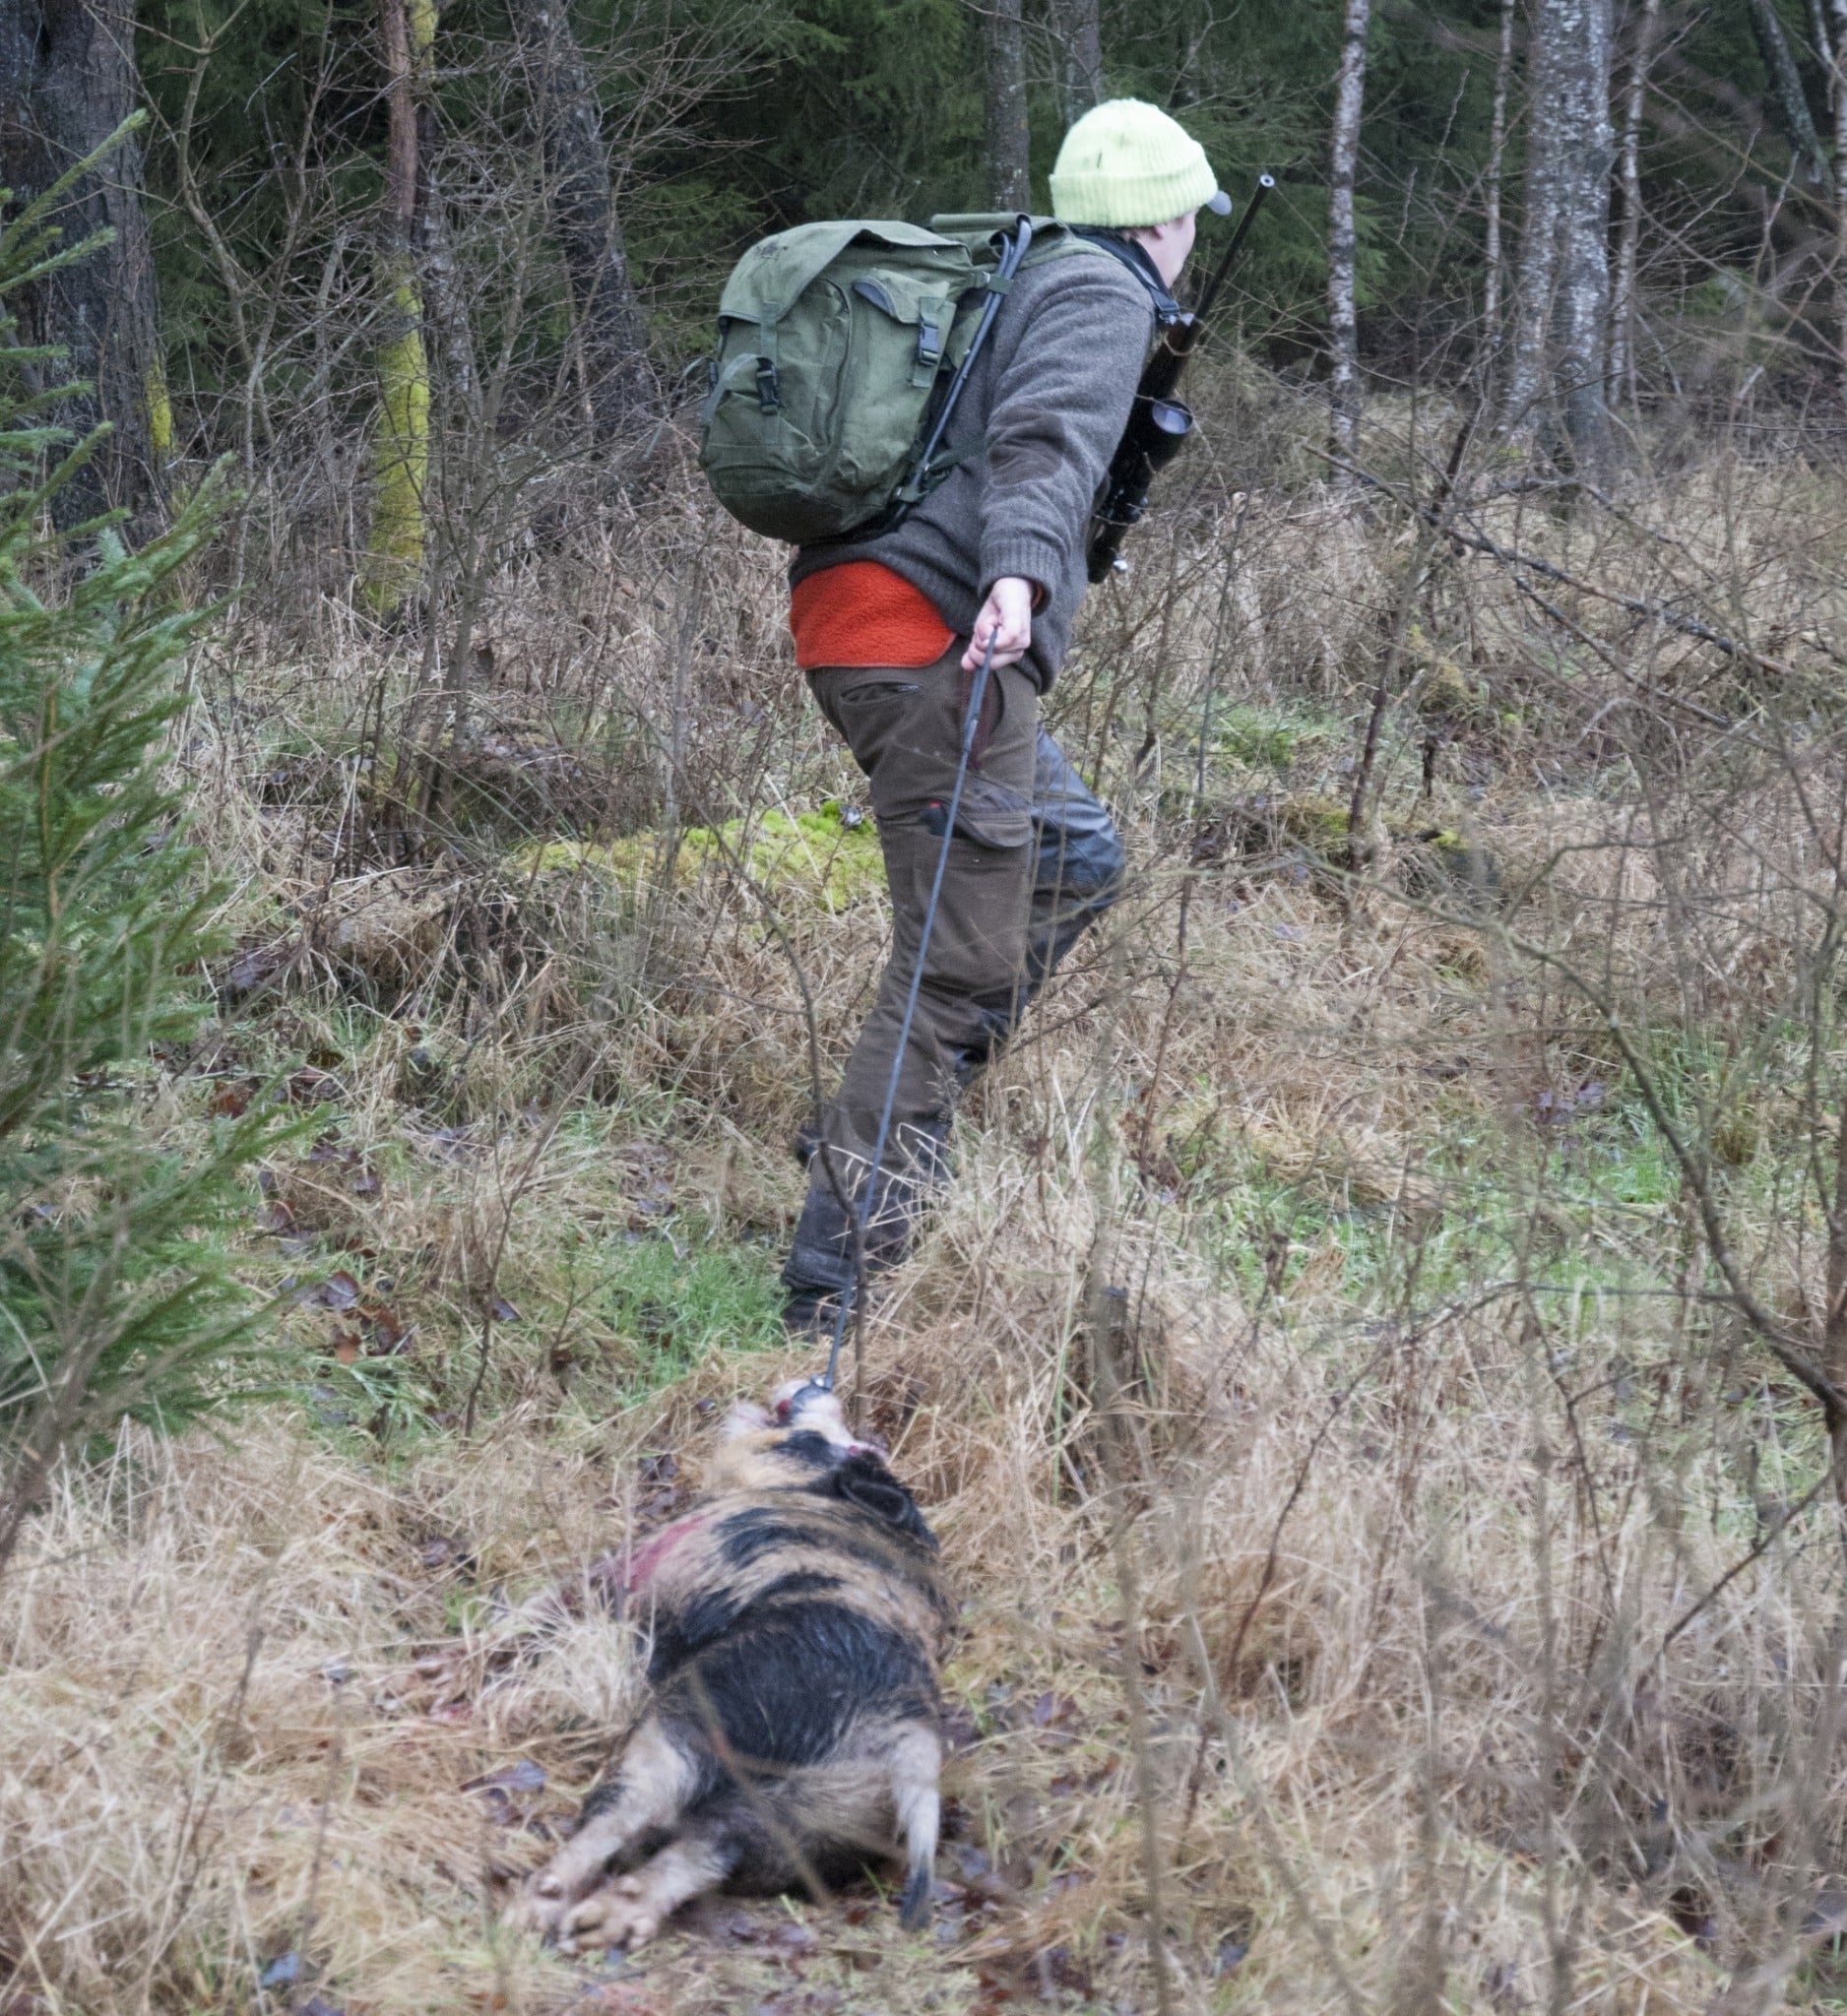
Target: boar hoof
{"x": 540, "y": 1907}
{"x": 620, "y": 1914}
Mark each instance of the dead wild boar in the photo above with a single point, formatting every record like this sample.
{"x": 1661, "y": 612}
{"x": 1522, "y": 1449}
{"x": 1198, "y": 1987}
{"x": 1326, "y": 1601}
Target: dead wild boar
{"x": 792, "y": 1737}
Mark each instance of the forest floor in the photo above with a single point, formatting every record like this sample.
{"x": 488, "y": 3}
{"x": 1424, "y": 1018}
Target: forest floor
{"x": 1364, "y": 1627}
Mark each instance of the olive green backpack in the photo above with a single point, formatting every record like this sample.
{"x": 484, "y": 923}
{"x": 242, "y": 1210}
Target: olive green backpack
{"x": 841, "y": 349}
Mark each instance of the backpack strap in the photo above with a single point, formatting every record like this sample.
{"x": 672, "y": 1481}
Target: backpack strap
{"x": 933, "y": 462}
{"x": 1055, "y": 240}
{"x": 1168, "y": 310}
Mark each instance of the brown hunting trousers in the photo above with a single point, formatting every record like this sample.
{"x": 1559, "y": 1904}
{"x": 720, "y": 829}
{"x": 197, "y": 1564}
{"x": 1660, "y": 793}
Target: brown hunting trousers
{"x": 1034, "y": 860}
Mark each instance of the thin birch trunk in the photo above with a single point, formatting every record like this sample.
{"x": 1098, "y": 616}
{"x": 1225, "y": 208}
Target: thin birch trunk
{"x": 1008, "y": 136}
{"x": 1537, "y": 278}
{"x": 1496, "y": 155}
{"x": 1837, "y": 83}
{"x": 1584, "y": 332}
{"x": 1342, "y": 320}
{"x": 1622, "y": 384}
{"x": 442, "y": 278}
{"x": 1556, "y": 387}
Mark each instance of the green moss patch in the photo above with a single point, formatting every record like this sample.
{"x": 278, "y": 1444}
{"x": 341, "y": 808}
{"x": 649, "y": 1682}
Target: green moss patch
{"x": 830, "y": 857}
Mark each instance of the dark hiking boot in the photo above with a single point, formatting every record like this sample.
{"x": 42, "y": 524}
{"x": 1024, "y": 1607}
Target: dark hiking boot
{"x": 821, "y": 1263}
{"x": 810, "y": 1314}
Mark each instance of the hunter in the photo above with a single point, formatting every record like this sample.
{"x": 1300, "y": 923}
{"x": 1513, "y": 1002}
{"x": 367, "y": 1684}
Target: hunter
{"x": 890, "y": 631}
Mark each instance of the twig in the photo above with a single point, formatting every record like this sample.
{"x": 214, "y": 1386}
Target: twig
{"x": 1417, "y": 579}
{"x": 510, "y": 1204}
{"x": 1758, "y": 1550}
{"x": 1793, "y": 1359}
{"x": 1117, "y": 1434}
{"x": 1636, "y": 606}
{"x": 1197, "y": 1777}
{"x": 1721, "y": 722}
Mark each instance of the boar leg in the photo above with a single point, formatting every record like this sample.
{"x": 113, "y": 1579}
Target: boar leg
{"x": 629, "y": 1910}
{"x": 915, "y": 1765}
{"x": 651, "y": 1785}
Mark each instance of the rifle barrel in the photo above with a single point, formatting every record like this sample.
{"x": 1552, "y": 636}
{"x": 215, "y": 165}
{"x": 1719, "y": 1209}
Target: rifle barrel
{"x": 1265, "y": 183}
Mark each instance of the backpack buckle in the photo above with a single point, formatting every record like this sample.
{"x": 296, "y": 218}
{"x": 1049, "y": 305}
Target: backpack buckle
{"x": 769, "y": 392}
{"x": 930, "y": 352}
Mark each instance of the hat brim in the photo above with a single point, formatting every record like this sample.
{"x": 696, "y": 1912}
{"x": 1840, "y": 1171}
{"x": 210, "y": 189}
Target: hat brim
{"x": 1219, "y": 203}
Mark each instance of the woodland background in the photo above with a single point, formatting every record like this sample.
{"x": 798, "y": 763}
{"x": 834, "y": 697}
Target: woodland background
{"x": 1381, "y": 1373}
{"x": 575, "y": 184}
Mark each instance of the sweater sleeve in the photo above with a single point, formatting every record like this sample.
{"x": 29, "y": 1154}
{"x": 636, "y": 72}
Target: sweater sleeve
{"x": 1061, "y": 398}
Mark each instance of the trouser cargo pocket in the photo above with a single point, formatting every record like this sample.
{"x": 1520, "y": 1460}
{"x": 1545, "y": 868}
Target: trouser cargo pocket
{"x": 905, "y": 731}
{"x": 991, "y": 814}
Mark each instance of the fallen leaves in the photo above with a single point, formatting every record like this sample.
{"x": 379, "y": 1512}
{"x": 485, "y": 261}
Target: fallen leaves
{"x": 663, "y": 1490}
{"x": 1058, "y": 1713}
{"x": 510, "y": 1793}
{"x": 370, "y": 1327}
{"x": 330, "y": 1193}
{"x": 311, "y": 1086}
{"x": 255, "y": 965}
{"x": 353, "y": 1171}
{"x": 447, "y": 1552}
{"x": 229, "y": 1097}
{"x": 338, "y": 1292}
{"x": 628, "y": 1998}
{"x": 893, "y": 1397}
{"x": 1043, "y": 1975}
{"x": 646, "y": 1168}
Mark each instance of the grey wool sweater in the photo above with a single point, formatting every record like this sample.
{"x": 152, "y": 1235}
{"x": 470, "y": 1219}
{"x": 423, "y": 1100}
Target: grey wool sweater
{"x": 1042, "y": 412}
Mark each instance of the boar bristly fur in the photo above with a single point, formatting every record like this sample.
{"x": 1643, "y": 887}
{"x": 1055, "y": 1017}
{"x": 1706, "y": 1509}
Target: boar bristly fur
{"x": 798, "y": 1626}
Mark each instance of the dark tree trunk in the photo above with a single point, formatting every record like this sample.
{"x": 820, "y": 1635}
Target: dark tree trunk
{"x": 1556, "y": 385}
{"x": 1078, "y": 26}
{"x": 1791, "y": 106}
{"x": 618, "y": 382}
{"x": 1003, "y": 68}
{"x": 67, "y": 82}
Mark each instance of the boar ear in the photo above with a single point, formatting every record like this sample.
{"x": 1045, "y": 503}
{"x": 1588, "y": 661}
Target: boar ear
{"x": 862, "y": 1481}
{"x": 745, "y": 1418}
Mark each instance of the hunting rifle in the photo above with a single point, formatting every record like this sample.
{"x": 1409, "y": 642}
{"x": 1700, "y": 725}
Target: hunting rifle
{"x": 1158, "y": 422}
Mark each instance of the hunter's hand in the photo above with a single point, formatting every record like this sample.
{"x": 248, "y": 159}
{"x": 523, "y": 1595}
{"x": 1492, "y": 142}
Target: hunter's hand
{"x": 1008, "y": 617}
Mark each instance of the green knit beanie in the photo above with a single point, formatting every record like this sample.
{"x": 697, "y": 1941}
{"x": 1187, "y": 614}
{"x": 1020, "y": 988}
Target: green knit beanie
{"x": 1126, "y": 164}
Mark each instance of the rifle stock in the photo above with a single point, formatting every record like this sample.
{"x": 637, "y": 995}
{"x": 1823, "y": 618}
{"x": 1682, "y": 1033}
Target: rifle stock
{"x": 1159, "y": 422}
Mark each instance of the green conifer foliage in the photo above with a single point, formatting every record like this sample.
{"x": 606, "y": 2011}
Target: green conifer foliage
{"x": 118, "y": 1295}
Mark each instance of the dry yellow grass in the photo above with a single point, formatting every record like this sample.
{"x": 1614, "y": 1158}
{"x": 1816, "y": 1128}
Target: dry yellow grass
{"x": 231, "y": 1732}
{"x": 1370, "y": 1608}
